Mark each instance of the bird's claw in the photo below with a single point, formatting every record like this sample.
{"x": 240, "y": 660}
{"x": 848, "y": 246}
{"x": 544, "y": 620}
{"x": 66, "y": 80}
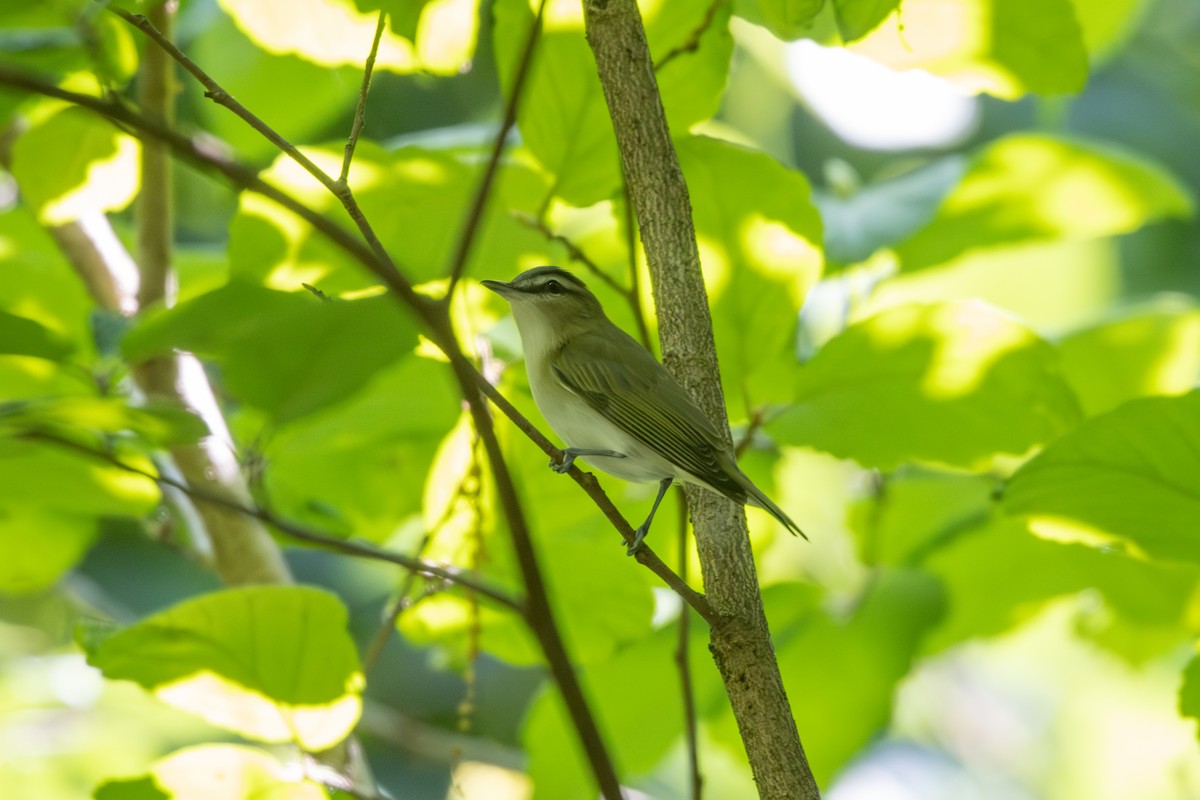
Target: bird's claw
{"x": 639, "y": 536}
{"x": 565, "y": 466}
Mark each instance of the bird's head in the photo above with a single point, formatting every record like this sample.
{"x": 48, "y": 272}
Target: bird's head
{"x": 549, "y": 305}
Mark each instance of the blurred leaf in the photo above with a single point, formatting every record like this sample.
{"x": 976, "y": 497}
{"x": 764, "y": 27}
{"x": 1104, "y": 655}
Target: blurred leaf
{"x": 848, "y": 690}
{"x": 915, "y": 510}
{"x": 131, "y": 789}
{"x": 51, "y": 503}
{"x": 334, "y": 33}
{"x": 881, "y": 214}
{"x": 298, "y": 98}
{"x": 215, "y": 772}
{"x": 787, "y": 19}
{"x": 24, "y": 337}
{"x": 37, "y": 283}
{"x": 640, "y": 677}
{"x": 157, "y": 424}
{"x": 857, "y": 18}
{"x": 563, "y": 117}
{"x": 947, "y": 383}
{"x": 1107, "y": 24}
{"x": 1133, "y": 474}
{"x": 288, "y": 354}
{"x": 1003, "y": 47}
{"x": 1030, "y": 187}
{"x": 47, "y": 36}
{"x": 998, "y": 576}
{"x": 1189, "y": 691}
{"x": 73, "y": 163}
{"x": 1153, "y": 351}
{"x": 411, "y": 189}
{"x": 759, "y": 238}
{"x": 274, "y": 663}
{"x": 368, "y": 457}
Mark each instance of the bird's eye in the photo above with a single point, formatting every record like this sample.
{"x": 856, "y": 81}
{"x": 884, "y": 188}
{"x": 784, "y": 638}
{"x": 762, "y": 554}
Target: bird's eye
{"x": 554, "y": 287}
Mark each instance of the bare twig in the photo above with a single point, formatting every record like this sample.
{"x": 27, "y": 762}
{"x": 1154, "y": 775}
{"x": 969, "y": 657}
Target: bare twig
{"x": 684, "y": 664}
{"x": 692, "y": 43}
{"x": 475, "y": 214}
{"x": 301, "y": 533}
{"x": 360, "y": 110}
{"x": 635, "y": 289}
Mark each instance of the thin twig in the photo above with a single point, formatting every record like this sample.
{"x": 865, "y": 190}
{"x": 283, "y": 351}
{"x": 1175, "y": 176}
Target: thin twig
{"x": 684, "y": 664}
{"x": 219, "y": 95}
{"x": 475, "y": 214}
{"x": 574, "y": 252}
{"x": 692, "y": 43}
{"x": 303, "y": 533}
{"x": 635, "y": 291}
{"x": 360, "y": 110}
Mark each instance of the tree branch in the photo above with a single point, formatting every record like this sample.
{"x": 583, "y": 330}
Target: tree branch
{"x": 475, "y": 215}
{"x": 360, "y": 108}
{"x": 324, "y": 541}
{"x": 741, "y": 645}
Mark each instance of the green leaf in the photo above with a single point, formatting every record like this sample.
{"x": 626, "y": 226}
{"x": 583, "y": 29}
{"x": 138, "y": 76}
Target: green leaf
{"x": 915, "y": 511}
{"x": 1153, "y": 351}
{"x": 156, "y": 424}
{"x": 1028, "y": 187}
{"x": 334, "y": 33}
{"x": 1189, "y": 691}
{"x": 1003, "y": 47}
{"x": 857, "y": 18}
{"x": 50, "y": 504}
{"x": 759, "y": 238}
{"x": 299, "y": 99}
{"x": 954, "y": 383}
{"x": 73, "y": 163}
{"x": 864, "y": 657}
{"x": 881, "y": 214}
{"x": 144, "y": 788}
{"x": 641, "y": 677}
{"x": 787, "y": 19}
{"x": 288, "y": 354}
{"x": 563, "y": 117}
{"x": 368, "y": 457}
{"x": 215, "y": 772}
{"x": 1131, "y": 474}
{"x": 38, "y": 284}
{"x": 21, "y": 336}
{"x": 410, "y": 189}
{"x": 998, "y": 576}
{"x": 273, "y": 663}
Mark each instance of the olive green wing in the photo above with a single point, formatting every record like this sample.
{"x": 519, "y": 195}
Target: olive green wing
{"x": 621, "y": 380}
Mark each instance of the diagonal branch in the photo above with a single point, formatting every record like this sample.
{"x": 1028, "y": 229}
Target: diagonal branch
{"x": 324, "y": 541}
{"x": 360, "y": 109}
{"x": 475, "y": 216}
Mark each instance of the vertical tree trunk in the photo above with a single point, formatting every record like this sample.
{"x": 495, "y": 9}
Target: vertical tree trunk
{"x": 741, "y": 643}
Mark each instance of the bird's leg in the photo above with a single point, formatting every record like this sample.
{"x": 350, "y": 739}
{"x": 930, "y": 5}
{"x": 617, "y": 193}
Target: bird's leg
{"x": 571, "y": 453}
{"x": 644, "y": 528}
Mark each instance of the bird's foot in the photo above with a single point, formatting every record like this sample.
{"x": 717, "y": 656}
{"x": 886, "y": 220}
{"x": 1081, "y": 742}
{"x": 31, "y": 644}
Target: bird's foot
{"x": 568, "y": 460}
{"x": 638, "y": 537}
{"x": 571, "y": 453}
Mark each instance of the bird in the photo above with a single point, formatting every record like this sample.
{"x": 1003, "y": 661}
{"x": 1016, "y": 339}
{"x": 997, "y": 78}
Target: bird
{"x": 611, "y": 400}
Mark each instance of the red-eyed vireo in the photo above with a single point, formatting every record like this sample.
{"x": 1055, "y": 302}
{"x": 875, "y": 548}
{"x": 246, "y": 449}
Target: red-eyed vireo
{"x": 610, "y": 399}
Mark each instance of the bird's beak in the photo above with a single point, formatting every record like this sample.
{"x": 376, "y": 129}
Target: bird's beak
{"x": 502, "y": 288}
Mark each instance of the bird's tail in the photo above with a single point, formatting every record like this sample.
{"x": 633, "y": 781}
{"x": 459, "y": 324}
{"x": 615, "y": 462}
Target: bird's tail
{"x": 755, "y": 497}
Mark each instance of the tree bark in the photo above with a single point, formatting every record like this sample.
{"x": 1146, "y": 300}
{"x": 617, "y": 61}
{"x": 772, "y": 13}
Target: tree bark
{"x": 740, "y": 643}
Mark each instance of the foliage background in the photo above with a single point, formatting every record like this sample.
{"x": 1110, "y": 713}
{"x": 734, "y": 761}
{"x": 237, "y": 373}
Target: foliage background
{"x": 967, "y": 366}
